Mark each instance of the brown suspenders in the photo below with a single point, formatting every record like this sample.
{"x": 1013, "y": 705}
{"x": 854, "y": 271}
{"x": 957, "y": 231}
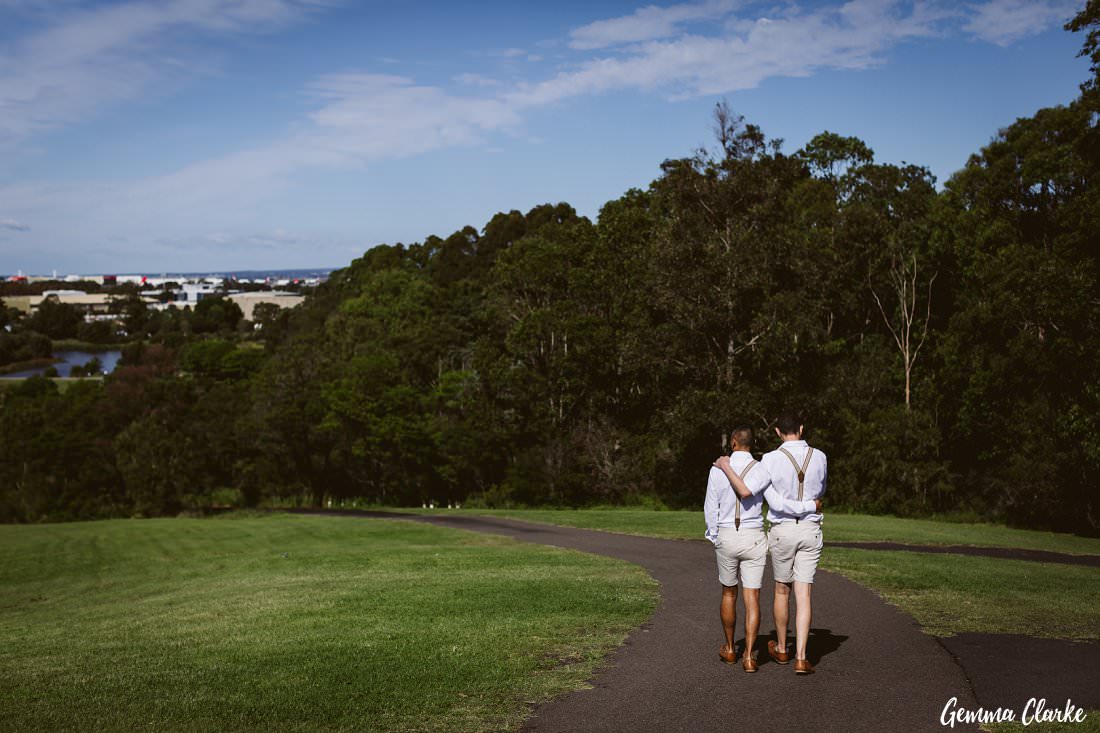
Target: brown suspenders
{"x": 737, "y": 508}
{"x": 801, "y": 471}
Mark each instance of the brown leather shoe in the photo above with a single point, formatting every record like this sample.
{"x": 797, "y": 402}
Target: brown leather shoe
{"x": 727, "y": 655}
{"x": 803, "y": 666}
{"x": 777, "y": 656}
{"x": 748, "y": 662}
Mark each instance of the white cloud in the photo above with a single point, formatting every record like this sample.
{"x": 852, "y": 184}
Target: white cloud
{"x": 648, "y": 23}
{"x": 90, "y": 58}
{"x": 1004, "y": 21}
{"x": 13, "y": 225}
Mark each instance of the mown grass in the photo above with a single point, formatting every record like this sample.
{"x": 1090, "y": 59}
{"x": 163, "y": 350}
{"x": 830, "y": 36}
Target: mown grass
{"x": 952, "y": 594}
{"x": 297, "y": 624}
{"x": 838, "y": 528}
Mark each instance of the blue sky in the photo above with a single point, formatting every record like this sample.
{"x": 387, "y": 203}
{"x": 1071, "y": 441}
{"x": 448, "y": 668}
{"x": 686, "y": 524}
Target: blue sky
{"x": 253, "y": 134}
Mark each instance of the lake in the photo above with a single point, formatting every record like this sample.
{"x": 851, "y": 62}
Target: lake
{"x": 69, "y": 360}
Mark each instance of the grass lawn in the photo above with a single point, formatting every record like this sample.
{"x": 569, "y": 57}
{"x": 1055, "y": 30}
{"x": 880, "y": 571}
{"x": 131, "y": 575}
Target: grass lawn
{"x": 838, "y": 528}
{"x": 952, "y": 594}
{"x": 296, "y": 623}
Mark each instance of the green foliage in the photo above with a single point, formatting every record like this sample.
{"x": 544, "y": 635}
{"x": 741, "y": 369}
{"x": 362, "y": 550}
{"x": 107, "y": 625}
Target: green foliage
{"x": 218, "y": 359}
{"x": 215, "y": 314}
{"x": 55, "y": 319}
{"x": 23, "y": 346}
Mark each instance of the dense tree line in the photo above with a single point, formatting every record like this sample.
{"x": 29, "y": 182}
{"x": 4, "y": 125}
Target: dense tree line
{"x": 942, "y": 344}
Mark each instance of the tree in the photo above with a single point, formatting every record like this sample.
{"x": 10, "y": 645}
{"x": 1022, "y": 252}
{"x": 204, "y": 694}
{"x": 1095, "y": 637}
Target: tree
{"x": 55, "y": 319}
{"x": 214, "y": 314}
{"x": 1088, "y": 19}
{"x": 907, "y": 326}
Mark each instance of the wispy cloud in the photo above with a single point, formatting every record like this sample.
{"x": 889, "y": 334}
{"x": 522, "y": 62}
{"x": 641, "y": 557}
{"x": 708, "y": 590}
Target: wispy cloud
{"x": 1004, "y": 21}
{"x": 648, "y": 23}
{"x": 13, "y": 225}
{"x": 744, "y": 52}
{"x": 476, "y": 80}
{"x": 86, "y": 58}
{"x": 368, "y": 117}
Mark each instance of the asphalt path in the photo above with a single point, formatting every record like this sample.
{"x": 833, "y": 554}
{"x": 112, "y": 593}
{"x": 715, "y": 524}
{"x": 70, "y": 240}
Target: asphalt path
{"x": 876, "y": 671}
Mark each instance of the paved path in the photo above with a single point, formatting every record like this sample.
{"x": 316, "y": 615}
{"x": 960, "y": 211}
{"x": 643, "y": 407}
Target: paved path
{"x": 876, "y": 671}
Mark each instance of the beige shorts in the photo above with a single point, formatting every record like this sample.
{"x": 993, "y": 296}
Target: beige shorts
{"x": 795, "y": 548}
{"x": 743, "y": 550}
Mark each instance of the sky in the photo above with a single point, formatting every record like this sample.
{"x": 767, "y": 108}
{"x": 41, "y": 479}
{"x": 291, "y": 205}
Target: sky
{"x": 221, "y": 135}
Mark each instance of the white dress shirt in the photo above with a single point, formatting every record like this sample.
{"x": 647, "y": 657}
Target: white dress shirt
{"x": 784, "y": 479}
{"x": 720, "y": 508}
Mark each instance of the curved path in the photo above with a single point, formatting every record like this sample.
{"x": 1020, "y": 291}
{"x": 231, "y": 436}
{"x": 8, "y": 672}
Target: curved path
{"x": 876, "y": 671}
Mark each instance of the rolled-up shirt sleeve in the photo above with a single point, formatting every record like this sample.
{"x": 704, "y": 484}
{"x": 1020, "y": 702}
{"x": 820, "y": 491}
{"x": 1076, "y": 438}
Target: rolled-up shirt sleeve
{"x": 757, "y": 479}
{"x": 715, "y": 483}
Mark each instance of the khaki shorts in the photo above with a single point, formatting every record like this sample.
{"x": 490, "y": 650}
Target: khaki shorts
{"x": 795, "y": 548}
{"x": 745, "y": 550}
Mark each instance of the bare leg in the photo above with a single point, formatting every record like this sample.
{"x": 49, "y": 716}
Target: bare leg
{"x": 803, "y": 617}
{"x": 729, "y": 613}
{"x": 781, "y": 611}
{"x": 752, "y": 617}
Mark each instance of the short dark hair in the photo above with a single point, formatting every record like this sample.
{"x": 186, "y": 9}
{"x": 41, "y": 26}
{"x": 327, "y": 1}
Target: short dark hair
{"x": 742, "y": 433}
{"x": 789, "y": 421}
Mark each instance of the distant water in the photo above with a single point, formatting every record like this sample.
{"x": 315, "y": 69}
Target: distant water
{"x": 69, "y": 360}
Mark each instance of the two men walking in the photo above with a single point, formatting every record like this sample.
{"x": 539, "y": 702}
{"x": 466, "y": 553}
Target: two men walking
{"x": 792, "y": 480}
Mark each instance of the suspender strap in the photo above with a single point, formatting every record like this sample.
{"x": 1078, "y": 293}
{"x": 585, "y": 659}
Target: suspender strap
{"x": 801, "y": 470}
{"x": 737, "y": 506}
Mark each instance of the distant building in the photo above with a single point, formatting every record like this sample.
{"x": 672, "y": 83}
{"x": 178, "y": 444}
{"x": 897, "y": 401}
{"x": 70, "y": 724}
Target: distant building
{"x": 94, "y": 306}
{"x": 249, "y": 301}
{"x": 21, "y": 302}
{"x": 192, "y": 293}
